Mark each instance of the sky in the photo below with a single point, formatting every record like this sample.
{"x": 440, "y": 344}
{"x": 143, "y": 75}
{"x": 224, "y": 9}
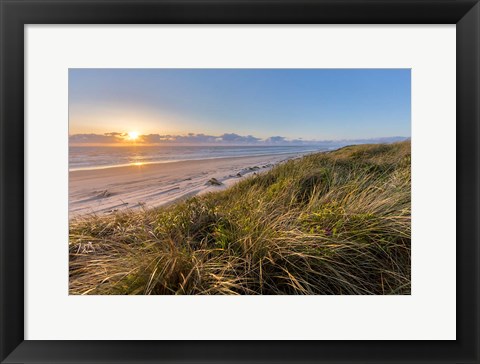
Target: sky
{"x": 293, "y": 104}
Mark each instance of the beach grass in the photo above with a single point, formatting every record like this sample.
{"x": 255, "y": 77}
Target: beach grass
{"x": 328, "y": 223}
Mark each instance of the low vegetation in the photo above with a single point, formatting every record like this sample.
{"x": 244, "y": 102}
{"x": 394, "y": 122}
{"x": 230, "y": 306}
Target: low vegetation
{"x": 328, "y": 223}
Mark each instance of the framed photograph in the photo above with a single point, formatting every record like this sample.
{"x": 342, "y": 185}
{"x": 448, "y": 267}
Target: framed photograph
{"x": 239, "y": 181}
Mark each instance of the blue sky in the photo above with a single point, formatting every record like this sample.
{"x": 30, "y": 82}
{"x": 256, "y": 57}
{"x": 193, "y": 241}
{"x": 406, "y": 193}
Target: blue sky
{"x": 321, "y": 104}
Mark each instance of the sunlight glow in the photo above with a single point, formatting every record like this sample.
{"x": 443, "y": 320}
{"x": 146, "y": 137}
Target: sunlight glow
{"x": 133, "y": 135}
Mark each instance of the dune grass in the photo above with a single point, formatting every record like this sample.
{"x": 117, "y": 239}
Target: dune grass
{"x": 328, "y": 223}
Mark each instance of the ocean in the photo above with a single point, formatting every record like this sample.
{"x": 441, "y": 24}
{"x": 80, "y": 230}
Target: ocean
{"x": 88, "y": 157}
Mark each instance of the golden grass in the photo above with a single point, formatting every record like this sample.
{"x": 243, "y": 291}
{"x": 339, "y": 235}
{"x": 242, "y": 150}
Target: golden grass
{"x": 328, "y": 223}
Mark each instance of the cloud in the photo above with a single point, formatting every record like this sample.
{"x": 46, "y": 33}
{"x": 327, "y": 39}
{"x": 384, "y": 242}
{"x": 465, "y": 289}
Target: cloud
{"x": 107, "y": 138}
{"x": 193, "y": 139}
{"x": 232, "y": 137}
{"x": 275, "y": 139}
{"x": 204, "y": 139}
{"x": 150, "y": 138}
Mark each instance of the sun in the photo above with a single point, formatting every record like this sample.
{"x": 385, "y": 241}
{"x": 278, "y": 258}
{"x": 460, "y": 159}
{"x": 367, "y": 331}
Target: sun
{"x": 133, "y": 135}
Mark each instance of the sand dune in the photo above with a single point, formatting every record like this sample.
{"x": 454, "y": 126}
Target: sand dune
{"x": 104, "y": 191}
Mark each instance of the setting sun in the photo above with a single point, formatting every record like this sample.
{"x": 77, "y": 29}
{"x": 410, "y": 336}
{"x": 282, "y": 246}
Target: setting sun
{"x": 133, "y": 135}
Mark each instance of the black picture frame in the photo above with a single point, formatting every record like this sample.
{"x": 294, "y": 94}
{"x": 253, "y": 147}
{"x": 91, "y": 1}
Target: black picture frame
{"x": 15, "y": 14}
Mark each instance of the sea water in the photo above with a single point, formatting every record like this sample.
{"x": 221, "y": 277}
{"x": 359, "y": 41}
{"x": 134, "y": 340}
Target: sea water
{"x": 96, "y": 157}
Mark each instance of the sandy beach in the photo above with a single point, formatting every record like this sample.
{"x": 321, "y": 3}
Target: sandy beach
{"x": 105, "y": 191}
